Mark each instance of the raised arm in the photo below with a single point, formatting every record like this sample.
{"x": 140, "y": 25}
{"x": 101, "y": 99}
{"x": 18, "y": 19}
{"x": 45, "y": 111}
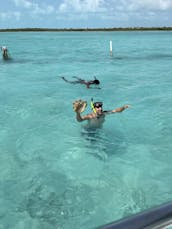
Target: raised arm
{"x": 119, "y": 109}
{"x": 68, "y": 81}
{"x": 63, "y": 78}
{"x": 80, "y": 118}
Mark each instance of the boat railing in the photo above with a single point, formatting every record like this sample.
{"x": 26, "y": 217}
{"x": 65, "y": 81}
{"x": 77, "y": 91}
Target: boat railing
{"x": 155, "y": 218}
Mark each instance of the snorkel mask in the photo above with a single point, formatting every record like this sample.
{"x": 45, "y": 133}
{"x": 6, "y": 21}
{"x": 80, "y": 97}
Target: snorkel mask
{"x": 96, "y": 104}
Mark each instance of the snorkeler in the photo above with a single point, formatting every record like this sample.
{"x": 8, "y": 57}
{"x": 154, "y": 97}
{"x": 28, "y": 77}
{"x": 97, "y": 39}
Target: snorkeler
{"x": 4, "y": 52}
{"x": 97, "y": 117}
{"x": 81, "y": 81}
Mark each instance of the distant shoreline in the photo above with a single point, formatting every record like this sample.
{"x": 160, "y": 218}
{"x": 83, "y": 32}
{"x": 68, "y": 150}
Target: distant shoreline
{"x": 87, "y": 29}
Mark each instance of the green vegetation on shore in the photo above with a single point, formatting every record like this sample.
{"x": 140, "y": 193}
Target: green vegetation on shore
{"x": 85, "y": 29}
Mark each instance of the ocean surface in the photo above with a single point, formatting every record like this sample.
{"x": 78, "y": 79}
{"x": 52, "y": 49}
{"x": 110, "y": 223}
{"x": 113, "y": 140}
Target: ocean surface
{"x": 55, "y": 174}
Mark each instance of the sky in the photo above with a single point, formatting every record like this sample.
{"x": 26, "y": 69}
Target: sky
{"x": 85, "y": 13}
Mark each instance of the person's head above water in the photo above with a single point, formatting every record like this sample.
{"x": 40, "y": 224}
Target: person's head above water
{"x": 98, "y": 104}
{"x": 97, "y": 107}
{"x": 96, "y": 81}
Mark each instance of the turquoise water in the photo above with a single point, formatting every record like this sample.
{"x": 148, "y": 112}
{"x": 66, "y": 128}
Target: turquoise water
{"x": 54, "y": 174}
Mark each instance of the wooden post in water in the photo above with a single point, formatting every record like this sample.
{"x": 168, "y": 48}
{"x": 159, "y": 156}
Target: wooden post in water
{"x": 111, "y": 53}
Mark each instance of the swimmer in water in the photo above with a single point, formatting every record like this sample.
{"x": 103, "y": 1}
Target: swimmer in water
{"x": 4, "y": 52}
{"x": 82, "y": 81}
{"x": 97, "y": 117}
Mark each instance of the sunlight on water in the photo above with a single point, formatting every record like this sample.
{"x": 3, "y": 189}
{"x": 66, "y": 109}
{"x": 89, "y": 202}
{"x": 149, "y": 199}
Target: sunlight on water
{"x": 54, "y": 172}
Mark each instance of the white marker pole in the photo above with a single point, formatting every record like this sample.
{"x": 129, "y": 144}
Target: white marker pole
{"x": 111, "y": 48}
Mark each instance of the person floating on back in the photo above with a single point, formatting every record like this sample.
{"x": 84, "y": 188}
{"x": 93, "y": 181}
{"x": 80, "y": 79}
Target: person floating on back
{"x": 97, "y": 117}
{"x": 82, "y": 81}
{"x": 5, "y": 52}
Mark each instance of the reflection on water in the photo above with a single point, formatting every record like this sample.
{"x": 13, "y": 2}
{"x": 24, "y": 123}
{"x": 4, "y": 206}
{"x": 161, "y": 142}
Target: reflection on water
{"x": 55, "y": 59}
{"x": 156, "y": 56}
{"x": 101, "y": 144}
{"x": 56, "y": 204}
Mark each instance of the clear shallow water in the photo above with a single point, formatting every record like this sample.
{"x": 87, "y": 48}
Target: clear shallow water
{"x": 54, "y": 174}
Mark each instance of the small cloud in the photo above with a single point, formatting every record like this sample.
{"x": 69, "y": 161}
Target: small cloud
{"x": 82, "y": 6}
{"x": 34, "y": 7}
{"x": 42, "y": 10}
{"x": 50, "y": 9}
{"x": 10, "y": 15}
{"x": 150, "y": 5}
{"x": 17, "y": 15}
{"x": 23, "y": 3}
{"x": 4, "y": 16}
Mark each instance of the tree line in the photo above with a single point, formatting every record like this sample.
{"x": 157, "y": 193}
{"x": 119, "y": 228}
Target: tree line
{"x": 85, "y": 29}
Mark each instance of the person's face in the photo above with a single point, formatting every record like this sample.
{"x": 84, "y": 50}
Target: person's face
{"x": 98, "y": 108}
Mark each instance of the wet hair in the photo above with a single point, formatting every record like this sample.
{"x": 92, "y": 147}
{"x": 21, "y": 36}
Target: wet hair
{"x": 96, "y": 81}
